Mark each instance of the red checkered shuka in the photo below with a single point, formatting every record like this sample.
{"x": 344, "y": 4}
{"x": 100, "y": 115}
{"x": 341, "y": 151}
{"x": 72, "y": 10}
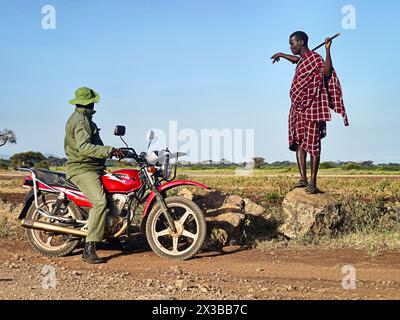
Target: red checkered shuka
{"x": 312, "y": 96}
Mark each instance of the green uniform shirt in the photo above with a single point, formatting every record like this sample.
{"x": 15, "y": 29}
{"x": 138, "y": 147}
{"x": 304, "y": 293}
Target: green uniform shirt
{"x": 82, "y": 144}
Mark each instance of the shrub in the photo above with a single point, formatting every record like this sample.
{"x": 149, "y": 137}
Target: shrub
{"x": 3, "y": 165}
{"x": 327, "y": 165}
{"x": 42, "y": 164}
{"x": 351, "y": 166}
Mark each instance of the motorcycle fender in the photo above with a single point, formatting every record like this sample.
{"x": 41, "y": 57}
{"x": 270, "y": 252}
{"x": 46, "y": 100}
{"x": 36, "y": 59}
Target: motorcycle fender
{"x": 167, "y": 186}
{"x": 27, "y": 203}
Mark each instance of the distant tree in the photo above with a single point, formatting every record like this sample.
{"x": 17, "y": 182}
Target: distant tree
{"x": 56, "y": 162}
{"x": 283, "y": 164}
{"x": 327, "y": 165}
{"x": 29, "y": 158}
{"x": 367, "y": 164}
{"x": 391, "y": 164}
{"x": 351, "y": 166}
{"x": 7, "y": 136}
{"x": 259, "y": 162}
{"x": 42, "y": 164}
{"x": 4, "y": 164}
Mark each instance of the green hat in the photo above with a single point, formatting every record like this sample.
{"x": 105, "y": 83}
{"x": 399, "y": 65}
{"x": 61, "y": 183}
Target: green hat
{"x": 85, "y": 96}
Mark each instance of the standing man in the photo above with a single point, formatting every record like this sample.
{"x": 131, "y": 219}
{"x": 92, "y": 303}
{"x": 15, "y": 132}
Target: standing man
{"x": 315, "y": 89}
{"x": 86, "y": 164}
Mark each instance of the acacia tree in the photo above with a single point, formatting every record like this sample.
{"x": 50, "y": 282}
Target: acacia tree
{"x": 7, "y": 136}
{"x": 30, "y": 158}
{"x": 259, "y": 162}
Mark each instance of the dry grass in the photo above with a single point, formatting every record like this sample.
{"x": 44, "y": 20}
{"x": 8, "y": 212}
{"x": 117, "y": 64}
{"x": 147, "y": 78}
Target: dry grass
{"x": 267, "y": 190}
{"x": 9, "y": 224}
{"x": 371, "y": 207}
{"x": 11, "y": 185}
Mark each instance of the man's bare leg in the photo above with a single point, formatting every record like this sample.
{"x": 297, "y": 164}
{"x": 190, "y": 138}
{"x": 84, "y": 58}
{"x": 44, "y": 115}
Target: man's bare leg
{"x": 312, "y": 188}
{"x": 301, "y": 156}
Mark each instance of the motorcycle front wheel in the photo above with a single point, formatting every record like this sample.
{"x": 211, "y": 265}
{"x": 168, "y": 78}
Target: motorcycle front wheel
{"x": 190, "y": 227}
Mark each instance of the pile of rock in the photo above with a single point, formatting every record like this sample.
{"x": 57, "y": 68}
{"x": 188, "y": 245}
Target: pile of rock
{"x": 302, "y": 214}
{"x": 225, "y": 214}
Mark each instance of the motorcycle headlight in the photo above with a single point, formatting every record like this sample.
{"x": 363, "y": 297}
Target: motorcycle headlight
{"x": 152, "y": 157}
{"x": 166, "y": 168}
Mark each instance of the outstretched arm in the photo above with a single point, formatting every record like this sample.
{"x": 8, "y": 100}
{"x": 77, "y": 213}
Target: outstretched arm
{"x": 292, "y": 59}
{"x": 328, "y": 67}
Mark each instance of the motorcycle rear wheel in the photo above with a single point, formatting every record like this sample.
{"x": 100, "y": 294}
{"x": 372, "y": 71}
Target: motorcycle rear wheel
{"x": 189, "y": 236}
{"x": 51, "y": 244}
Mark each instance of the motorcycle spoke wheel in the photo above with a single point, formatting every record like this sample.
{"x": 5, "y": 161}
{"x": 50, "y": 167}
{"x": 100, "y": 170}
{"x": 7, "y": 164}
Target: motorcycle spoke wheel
{"x": 49, "y": 240}
{"x": 50, "y": 243}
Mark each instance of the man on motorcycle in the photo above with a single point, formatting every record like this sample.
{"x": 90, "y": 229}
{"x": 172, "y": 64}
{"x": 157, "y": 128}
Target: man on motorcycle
{"x": 87, "y": 155}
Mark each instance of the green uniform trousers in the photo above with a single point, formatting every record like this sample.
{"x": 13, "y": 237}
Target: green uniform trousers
{"x": 92, "y": 187}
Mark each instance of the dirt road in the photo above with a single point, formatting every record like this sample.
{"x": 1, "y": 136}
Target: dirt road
{"x": 236, "y": 273}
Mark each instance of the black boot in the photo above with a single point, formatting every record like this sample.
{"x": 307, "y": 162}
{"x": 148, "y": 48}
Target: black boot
{"x": 89, "y": 253}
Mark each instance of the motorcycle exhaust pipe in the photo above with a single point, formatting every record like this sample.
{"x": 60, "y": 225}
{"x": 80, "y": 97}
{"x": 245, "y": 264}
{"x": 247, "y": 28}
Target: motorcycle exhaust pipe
{"x": 38, "y": 225}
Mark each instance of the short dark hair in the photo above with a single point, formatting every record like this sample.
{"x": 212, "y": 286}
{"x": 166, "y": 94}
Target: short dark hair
{"x": 300, "y": 35}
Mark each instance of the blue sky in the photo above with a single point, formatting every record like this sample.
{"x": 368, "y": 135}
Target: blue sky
{"x": 204, "y": 64}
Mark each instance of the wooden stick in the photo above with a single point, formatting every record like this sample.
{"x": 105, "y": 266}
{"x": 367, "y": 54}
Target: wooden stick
{"x": 319, "y": 46}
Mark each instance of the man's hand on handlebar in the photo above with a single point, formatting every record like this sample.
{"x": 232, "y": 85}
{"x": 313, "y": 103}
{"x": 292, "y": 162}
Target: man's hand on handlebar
{"x": 118, "y": 153}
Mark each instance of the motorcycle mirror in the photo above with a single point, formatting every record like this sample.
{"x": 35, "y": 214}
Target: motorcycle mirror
{"x": 119, "y": 131}
{"x": 151, "y": 139}
{"x": 151, "y": 135}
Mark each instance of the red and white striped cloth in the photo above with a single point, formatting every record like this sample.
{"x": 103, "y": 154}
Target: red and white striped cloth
{"x": 312, "y": 96}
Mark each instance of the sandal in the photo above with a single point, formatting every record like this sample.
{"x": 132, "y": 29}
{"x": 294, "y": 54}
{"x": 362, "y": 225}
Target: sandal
{"x": 312, "y": 189}
{"x": 301, "y": 184}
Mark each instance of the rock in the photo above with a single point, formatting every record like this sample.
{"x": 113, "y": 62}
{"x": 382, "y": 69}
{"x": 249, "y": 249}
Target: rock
{"x": 217, "y": 238}
{"x": 308, "y": 214}
{"x": 186, "y": 193}
{"x": 225, "y": 214}
{"x": 232, "y": 200}
{"x": 203, "y": 289}
{"x": 149, "y": 283}
{"x": 177, "y": 271}
{"x": 232, "y": 218}
{"x": 254, "y": 208}
{"x": 169, "y": 288}
{"x": 181, "y": 283}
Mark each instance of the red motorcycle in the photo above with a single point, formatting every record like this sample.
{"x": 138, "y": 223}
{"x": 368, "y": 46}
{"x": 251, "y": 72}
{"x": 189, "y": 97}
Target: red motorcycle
{"x": 55, "y": 212}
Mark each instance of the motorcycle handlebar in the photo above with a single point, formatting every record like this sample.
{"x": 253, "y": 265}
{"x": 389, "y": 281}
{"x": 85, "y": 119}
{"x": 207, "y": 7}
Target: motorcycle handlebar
{"x": 131, "y": 153}
{"x": 21, "y": 168}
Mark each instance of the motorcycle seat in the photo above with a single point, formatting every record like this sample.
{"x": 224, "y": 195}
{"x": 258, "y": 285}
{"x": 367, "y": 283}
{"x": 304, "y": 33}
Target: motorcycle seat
{"x": 54, "y": 178}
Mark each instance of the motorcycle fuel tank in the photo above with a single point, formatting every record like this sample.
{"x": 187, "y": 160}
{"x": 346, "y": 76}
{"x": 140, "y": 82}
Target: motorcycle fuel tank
{"x": 122, "y": 181}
